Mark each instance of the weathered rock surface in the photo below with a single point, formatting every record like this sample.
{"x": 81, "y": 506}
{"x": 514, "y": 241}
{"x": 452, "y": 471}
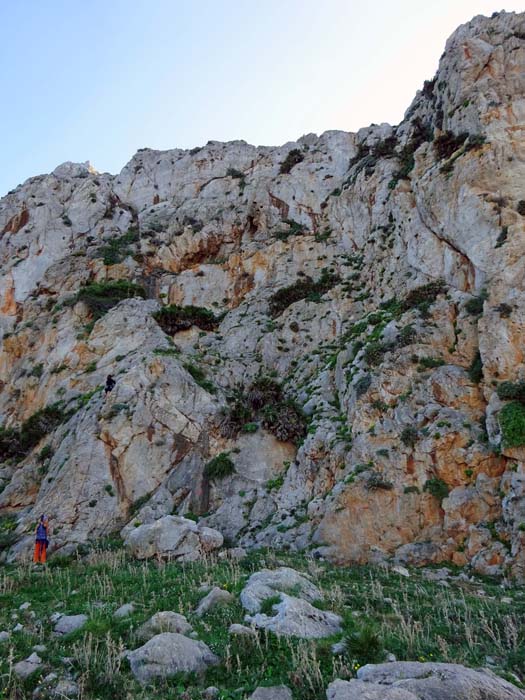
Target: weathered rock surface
{"x": 167, "y": 654}
{"x": 266, "y": 583}
{"x": 274, "y": 692}
{"x": 125, "y": 610}
{"x": 411, "y": 680}
{"x": 316, "y": 259}
{"x": 297, "y": 618}
{"x": 217, "y": 596}
{"x": 24, "y": 669}
{"x": 164, "y": 621}
{"x": 69, "y": 623}
{"x": 173, "y": 537}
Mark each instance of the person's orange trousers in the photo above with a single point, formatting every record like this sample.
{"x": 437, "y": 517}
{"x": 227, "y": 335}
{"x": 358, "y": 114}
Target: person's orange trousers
{"x": 39, "y": 555}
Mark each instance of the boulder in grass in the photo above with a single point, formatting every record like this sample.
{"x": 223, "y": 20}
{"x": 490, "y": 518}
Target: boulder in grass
{"x": 164, "y": 621}
{"x": 217, "y": 596}
{"x": 412, "y": 680}
{"x": 267, "y": 582}
{"x": 69, "y": 623}
{"x": 169, "y": 653}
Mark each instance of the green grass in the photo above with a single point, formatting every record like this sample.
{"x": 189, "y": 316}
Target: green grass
{"x": 512, "y": 423}
{"x": 423, "y": 621}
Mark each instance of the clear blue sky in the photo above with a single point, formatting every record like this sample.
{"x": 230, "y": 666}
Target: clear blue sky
{"x": 98, "y": 79}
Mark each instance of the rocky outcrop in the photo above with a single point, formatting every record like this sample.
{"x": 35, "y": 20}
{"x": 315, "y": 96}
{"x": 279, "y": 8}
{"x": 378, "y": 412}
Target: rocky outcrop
{"x": 375, "y": 278}
{"x": 294, "y": 617}
{"x": 267, "y": 583}
{"x": 411, "y": 680}
{"x": 174, "y": 538}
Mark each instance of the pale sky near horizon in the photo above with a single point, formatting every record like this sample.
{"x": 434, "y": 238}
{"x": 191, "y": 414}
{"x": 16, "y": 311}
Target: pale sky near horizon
{"x": 97, "y": 80}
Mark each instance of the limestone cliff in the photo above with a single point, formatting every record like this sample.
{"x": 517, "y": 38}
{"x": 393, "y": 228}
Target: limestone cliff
{"x": 354, "y": 385}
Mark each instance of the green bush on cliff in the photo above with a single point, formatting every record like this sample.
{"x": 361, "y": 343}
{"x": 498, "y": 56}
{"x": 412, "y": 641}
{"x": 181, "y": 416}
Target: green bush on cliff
{"x": 116, "y": 249}
{"x": 511, "y": 391}
{"x": 292, "y": 159}
{"x": 174, "y": 318}
{"x": 409, "y": 436}
{"x": 219, "y": 467}
{"x": 264, "y": 398}
{"x": 437, "y": 488}
{"x": 305, "y": 288}
{"x": 17, "y": 443}
{"x": 100, "y": 297}
{"x": 512, "y": 423}
{"x": 424, "y": 295}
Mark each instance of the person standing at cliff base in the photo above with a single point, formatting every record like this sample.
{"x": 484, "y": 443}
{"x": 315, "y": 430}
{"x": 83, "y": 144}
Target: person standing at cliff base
{"x": 42, "y": 540}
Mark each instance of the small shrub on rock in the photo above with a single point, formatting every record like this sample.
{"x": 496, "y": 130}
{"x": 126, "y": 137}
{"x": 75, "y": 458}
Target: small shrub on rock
{"x": 117, "y": 249}
{"x": 173, "y": 318}
{"x": 305, "y": 288}
{"x": 219, "y": 467}
{"x": 286, "y": 421}
{"x": 100, "y": 297}
{"x": 437, "y": 488}
{"x": 474, "y": 306}
{"x": 292, "y": 159}
{"x": 409, "y": 436}
{"x": 263, "y": 391}
{"x": 475, "y": 370}
{"x": 509, "y": 391}
{"x": 18, "y": 443}
{"x": 512, "y": 423}
{"x": 426, "y": 294}
{"x": 377, "y": 481}
{"x": 363, "y": 385}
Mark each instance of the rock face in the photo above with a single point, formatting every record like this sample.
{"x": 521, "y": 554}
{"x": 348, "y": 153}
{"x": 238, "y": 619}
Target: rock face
{"x": 377, "y": 277}
{"x": 167, "y": 654}
{"x": 172, "y": 537}
{"x": 411, "y": 680}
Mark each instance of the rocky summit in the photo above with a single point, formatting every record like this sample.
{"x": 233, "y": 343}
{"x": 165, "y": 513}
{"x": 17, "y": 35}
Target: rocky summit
{"x": 317, "y": 347}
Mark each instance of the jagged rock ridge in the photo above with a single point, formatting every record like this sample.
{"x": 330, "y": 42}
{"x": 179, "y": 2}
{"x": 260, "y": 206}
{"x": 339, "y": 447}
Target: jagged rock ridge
{"x": 373, "y": 281}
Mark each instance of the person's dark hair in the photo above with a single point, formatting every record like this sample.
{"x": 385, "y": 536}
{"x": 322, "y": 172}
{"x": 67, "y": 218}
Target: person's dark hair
{"x": 42, "y": 517}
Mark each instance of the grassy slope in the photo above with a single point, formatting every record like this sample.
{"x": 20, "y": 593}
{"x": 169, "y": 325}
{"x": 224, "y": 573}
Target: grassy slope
{"x": 418, "y": 620}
